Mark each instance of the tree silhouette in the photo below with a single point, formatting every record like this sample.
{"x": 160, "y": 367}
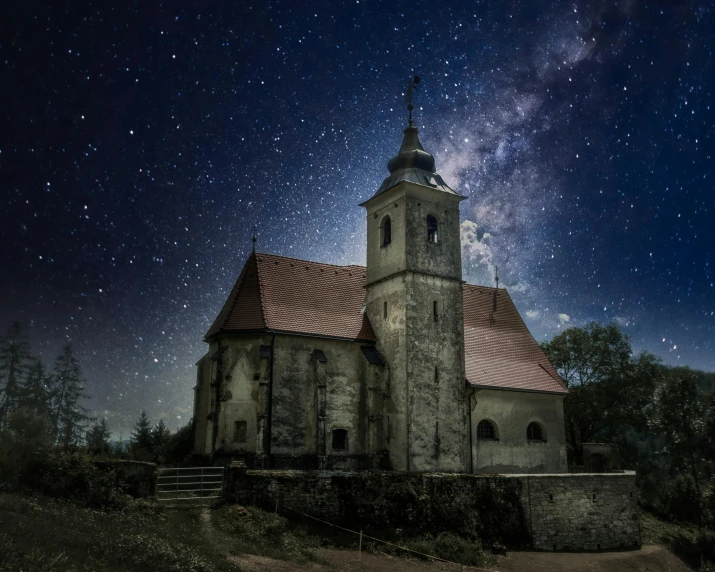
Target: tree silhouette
{"x": 98, "y": 438}
{"x": 67, "y": 413}
{"x": 34, "y": 393}
{"x": 14, "y": 361}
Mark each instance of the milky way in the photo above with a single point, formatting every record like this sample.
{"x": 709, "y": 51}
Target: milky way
{"x": 140, "y": 145}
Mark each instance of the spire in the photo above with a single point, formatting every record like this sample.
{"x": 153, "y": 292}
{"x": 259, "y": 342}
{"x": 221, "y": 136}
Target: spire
{"x": 412, "y": 163}
{"x": 411, "y": 89}
{"x": 411, "y": 155}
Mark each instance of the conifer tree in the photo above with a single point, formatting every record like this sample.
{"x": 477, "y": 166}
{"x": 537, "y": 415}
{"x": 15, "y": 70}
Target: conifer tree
{"x": 160, "y": 436}
{"x": 68, "y": 415}
{"x": 34, "y": 393}
{"x": 14, "y": 361}
{"x": 98, "y": 438}
{"x": 142, "y": 438}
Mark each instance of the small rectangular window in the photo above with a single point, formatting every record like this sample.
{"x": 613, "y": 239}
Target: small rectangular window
{"x": 265, "y": 351}
{"x": 384, "y": 310}
{"x": 340, "y": 439}
{"x": 435, "y": 311}
{"x": 241, "y": 429}
{"x": 436, "y": 374}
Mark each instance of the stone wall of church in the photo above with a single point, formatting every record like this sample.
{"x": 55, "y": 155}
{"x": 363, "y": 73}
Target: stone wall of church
{"x": 547, "y": 512}
{"x": 437, "y": 406}
{"x": 312, "y": 400}
{"x": 443, "y": 258}
{"x": 309, "y": 400}
{"x": 511, "y": 412}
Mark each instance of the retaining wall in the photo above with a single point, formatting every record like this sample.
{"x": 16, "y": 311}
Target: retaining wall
{"x": 548, "y": 512}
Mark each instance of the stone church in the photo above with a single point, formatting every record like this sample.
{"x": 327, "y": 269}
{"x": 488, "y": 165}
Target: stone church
{"x": 398, "y": 365}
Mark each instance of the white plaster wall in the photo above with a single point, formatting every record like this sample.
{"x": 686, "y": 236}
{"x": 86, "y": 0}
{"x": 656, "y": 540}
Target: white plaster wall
{"x": 512, "y": 411}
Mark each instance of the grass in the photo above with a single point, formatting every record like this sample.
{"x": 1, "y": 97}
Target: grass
{"x": 254, "y": 531}
{"x": 41, "y": 533}
{"x": 683, "y": 539}
{"x": 38, "y": 533}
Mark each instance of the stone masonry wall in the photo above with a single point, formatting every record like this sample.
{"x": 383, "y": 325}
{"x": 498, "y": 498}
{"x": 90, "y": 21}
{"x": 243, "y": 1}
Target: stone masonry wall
{"x": 587, "y": 511}
{"x": 548, "y": 512}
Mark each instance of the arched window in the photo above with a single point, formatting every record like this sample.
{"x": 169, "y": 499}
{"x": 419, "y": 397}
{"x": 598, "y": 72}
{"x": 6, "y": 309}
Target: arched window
{"x": 486, "y": 431}
{"x": 432, "y": 228}
{"x": 386, "y": 231}
{"x": 535, "y": 433}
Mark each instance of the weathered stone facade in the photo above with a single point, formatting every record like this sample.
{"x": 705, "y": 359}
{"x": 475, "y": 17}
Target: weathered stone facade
{"x": 290, "y": 408}
{"x": 512, "y": 452}
{"x": 556, "y": 512}
{"x": 414, "y": 302}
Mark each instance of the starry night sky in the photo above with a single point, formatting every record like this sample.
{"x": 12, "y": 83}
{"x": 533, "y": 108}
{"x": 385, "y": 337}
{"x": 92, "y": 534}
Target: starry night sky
{"x": 140, "y": 144}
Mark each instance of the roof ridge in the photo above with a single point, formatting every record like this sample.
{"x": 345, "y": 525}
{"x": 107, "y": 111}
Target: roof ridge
{"x": 260, "y": 291}
{"x": 301, "y": 260}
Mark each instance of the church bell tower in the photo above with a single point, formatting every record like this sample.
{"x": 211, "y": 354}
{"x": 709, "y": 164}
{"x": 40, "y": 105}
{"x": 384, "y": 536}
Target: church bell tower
{"x": 414, "y": 303}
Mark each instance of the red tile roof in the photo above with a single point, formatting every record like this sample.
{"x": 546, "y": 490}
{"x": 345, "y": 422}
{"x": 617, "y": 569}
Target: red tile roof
{"x": 499, "y": 349}
{"x": 275, "y": 293}
{"x": 289, "y": 295}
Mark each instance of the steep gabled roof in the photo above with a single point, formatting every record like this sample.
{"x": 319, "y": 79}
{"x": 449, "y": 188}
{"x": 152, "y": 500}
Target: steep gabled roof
{"x": 500, "y": 351}
{"x": 275, "y": 293}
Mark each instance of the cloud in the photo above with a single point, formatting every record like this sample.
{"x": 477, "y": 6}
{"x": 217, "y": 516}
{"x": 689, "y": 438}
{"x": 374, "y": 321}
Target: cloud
{"x": 564, "y": 319}
{"x": 477, "y": 256}
{"x": 532, "y": 314}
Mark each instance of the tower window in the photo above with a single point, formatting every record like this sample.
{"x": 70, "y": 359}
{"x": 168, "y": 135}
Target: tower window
{"x": 534, "y": 433}
{"x": 340, "y": 439}
{"x": 432, "y": 229}
{"x": 435, "y": 311}
{"x": 384, "y": 310}
{"x": 436, "y": 374}
{"x": 386, "y": 231}
{"x": 486, "y": 431}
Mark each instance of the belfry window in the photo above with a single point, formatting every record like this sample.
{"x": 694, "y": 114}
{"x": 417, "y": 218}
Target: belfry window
{"x": 432, "y": 229}
{"x": 534, "y": 433}
{"x": 486, "y": 431}
{"x": 340, "y": 439}
{"x": 386, "y": 231}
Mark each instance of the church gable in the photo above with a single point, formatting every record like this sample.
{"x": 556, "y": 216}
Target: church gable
{"x": 500, "y": 352}
{"x": 280, "y": 294}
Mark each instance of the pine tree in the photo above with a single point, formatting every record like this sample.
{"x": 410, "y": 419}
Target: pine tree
{"x": 34, "y": 393}
{"x": 98, "y": 439}
{"x": 160, "y": 436}
{"x": 142, "y": 439}
{"x": 14, "y": 361}
{"x": 68, "y": 415}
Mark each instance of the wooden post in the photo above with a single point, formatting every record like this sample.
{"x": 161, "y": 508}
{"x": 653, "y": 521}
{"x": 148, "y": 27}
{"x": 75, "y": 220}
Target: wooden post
{"x": 360, "y": 548}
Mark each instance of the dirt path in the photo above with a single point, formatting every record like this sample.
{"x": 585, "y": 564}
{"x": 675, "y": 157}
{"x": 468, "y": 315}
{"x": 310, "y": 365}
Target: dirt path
{"x": 648, "y": 559}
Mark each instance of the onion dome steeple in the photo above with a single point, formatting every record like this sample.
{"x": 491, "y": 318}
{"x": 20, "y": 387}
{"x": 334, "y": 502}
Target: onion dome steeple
{"x": 412, "y": 163}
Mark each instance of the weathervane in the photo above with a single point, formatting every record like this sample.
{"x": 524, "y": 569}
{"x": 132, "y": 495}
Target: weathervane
{"x": 411, "y": 89}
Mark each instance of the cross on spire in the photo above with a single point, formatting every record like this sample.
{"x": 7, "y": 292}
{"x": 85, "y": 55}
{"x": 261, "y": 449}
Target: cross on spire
{"x": 409, "y": 97}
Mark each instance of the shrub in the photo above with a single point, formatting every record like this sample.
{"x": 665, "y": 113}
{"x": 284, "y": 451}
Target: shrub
{"x": 64, "y": 474}
{"x": 451, "y": 547}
